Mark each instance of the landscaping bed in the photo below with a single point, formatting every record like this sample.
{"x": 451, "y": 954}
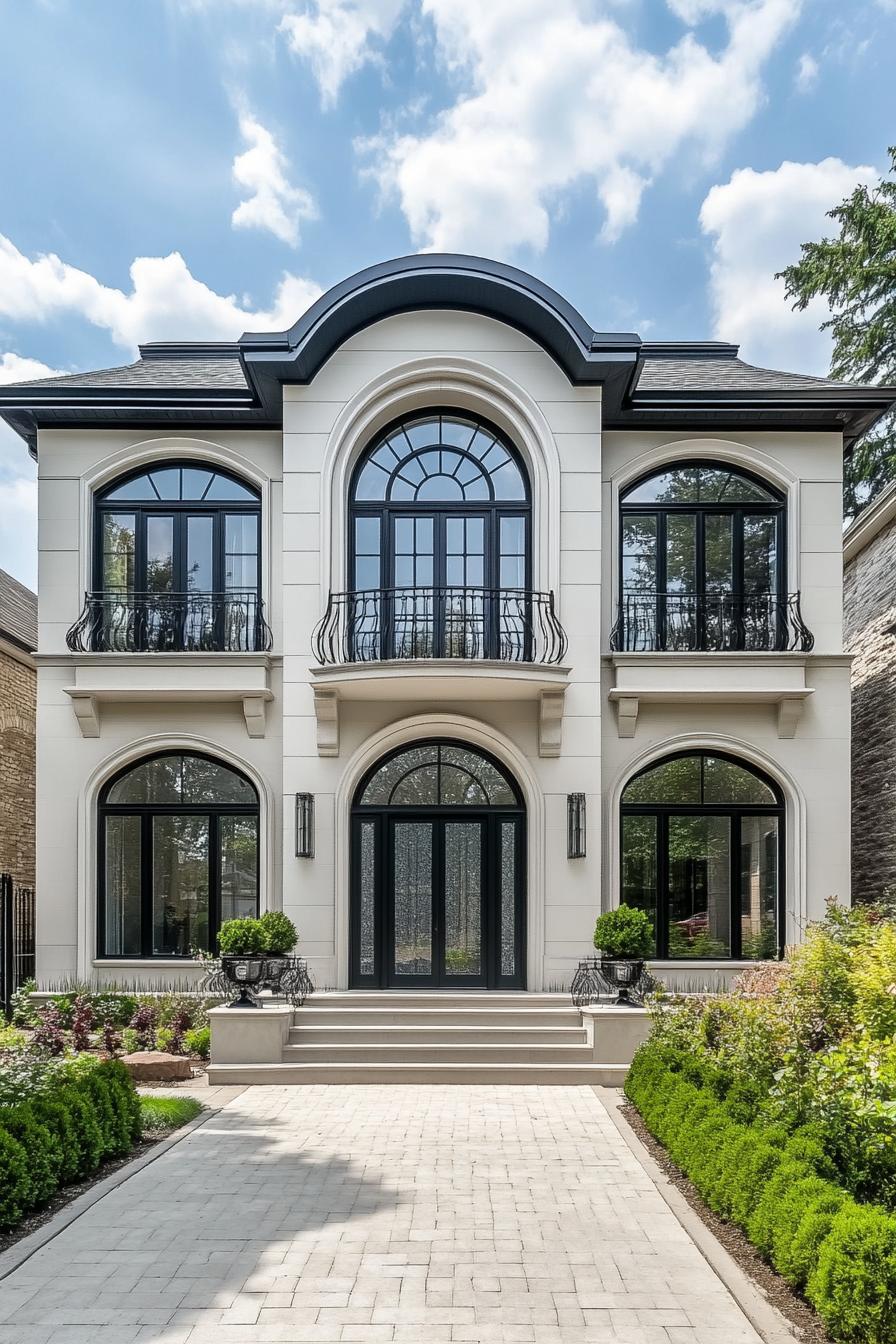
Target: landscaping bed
{"x": 778, "y": 1102}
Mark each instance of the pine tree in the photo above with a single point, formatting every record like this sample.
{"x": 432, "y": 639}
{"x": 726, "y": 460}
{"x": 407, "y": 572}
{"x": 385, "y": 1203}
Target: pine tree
{"x": 856, "y": 273}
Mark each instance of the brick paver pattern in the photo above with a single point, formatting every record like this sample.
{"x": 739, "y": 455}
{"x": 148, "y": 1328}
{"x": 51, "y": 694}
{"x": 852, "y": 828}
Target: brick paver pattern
{"x": 297, "y": 1215}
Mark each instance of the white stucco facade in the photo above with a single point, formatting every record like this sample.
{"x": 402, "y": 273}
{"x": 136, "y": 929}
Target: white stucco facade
{"x": 586, "y": 725}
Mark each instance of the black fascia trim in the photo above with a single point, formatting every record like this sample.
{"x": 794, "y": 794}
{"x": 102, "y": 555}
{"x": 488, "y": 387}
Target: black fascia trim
{"x": 435, "y": 281}
{"x": 189, "y": 350}
{"x": 689, "y": 350}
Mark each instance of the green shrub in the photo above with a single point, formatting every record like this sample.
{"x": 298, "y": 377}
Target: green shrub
{"x": 15, "y": 1186}
{"x": 239, "y": 937}
{"x": 199, "y": 1041}
{"x": 853, "y": 1287}
{"x": 774, "y": 1218}
{"x": 43, "y": 1156}
{"x": 87, "y": 1131}
{"x": 58, "y": 1118}
{"x": 280, "y": 934}
{"x": 624, "y": 932}
{"x": 797, "y": 1261}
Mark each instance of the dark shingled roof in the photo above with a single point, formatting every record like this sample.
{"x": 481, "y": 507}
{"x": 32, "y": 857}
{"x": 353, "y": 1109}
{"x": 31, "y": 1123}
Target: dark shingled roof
{"x": 723, "y": 375}
{"x": 162, "y": 373}
{"x": 18, "y": 611}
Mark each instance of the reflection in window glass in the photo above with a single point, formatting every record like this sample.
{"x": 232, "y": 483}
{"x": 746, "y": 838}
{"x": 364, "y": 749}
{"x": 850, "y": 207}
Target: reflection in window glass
{"x": 441, "y": 459}
{"x": 122, "y": 913}
{"x": 759, "y": 887}
{"x": 412, "y": 878}
{"x": 639, "y": 841}
{"x": 699, "y": 886}
{"x": 180, "y": 884}
{"x": 699, "y": 485}
{"x": 639, "y": 553}
{"x": 673, "y": 781}
{"x": 726, "y": 782}
{"x": 238, "y": 837}
{"x": 118, "y": 551}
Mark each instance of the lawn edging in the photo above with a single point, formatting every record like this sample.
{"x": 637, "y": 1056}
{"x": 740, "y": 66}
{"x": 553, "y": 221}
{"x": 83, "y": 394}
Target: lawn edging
{"x": 765, "y": 1319}
{"x": 16, "y": 1255}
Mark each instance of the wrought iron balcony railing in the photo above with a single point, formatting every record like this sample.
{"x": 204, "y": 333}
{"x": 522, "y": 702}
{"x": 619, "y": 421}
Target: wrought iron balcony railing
{"x": 509, "y": 625}
{"x": 116, "y": 621}
{"x": 707, "y": 622}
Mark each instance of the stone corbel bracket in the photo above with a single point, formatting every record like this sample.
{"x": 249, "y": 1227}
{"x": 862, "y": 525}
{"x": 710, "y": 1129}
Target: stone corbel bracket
{"x": 87, "y": 703}
{"x": 550, "y": 722}
{"x": 326, "y": 709}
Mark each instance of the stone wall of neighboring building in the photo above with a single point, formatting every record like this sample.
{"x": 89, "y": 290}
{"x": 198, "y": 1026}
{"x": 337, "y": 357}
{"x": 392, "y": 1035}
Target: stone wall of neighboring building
{"x": 18, "y": 695}
{"x": 870, "y": 635}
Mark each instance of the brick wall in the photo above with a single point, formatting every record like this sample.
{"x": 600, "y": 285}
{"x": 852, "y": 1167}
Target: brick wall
{"x": 18, "y": 688}
{"x": 870, "y": 635}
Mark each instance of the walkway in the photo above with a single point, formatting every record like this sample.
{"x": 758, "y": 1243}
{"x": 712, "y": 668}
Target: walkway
{"x": 418, "y": 1214}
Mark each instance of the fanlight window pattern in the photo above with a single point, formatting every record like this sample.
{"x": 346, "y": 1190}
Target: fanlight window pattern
{"x": 438, "y": 775}
{"x": 194, "y": 484}
{"x": 178, "y": 856}
{"x": 440, "y": 459}
{"x": 702, "y": 564}
{"x": 702, "y": 854}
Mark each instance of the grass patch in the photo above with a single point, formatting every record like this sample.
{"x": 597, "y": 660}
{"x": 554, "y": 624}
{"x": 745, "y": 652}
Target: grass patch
{"x": 160, "y": 1115}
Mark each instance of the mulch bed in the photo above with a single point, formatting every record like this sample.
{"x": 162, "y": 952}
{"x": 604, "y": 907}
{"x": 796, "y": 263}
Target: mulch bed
{"x": 65, "y": 1196}
{"x": 778, "y": 1292}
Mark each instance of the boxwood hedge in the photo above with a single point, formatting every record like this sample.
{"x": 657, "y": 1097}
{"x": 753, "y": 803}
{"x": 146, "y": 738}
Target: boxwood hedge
{"x": 777, "y": 1187}
{"x": 69, "y": 1121}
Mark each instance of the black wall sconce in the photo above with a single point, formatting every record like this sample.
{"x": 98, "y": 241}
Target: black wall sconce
{"x": 575, "y": 826}
{"x": 304, "y": 825}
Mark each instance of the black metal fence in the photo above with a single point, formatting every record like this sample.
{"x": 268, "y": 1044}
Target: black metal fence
{"x": 16, "y": 937}
{"x": 694, "y": 622}
{"x": 510, "y": 625}
{"x": 128, "y": 622}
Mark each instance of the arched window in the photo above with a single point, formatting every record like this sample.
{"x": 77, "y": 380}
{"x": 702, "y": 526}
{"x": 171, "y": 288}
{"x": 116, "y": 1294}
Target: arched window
{"x": 178, "y": 855}
{"x": 702, "y": 847}
{"x": 439, "y": 544}
{"x": 176, "y": 564}
{"x": 702, "y": 562}
{"x": 438, "y": 868}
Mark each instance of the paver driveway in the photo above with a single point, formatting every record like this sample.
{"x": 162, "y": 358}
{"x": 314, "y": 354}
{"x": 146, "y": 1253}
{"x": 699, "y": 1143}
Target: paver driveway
{"x": 377, "y": 1213}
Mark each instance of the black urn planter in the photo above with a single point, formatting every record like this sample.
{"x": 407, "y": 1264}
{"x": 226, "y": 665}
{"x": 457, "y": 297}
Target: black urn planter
{"x": 245, "y": 970}
{"x": 623, "y": 974}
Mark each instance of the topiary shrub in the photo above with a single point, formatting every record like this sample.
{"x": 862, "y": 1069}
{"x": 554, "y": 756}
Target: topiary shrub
{"x": 624, "y": 932}
{"x": 797, "y": 1261}
{"x": 240, "y": 937}
{"x": 853, "y": 1287}
{"x": 280, "y": 936}
{"x": 775, "y": 1217}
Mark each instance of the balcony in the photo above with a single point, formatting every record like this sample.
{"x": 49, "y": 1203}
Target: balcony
{"x": 712, "y": 650}
{"x": 128, "y": 622}
{"x": 710, "y": 623}
{"x": 225, "y": 635}
{"x": 440, "y": 645}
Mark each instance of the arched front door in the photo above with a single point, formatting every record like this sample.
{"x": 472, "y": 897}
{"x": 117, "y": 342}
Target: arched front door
{"x": 438, "y": 880}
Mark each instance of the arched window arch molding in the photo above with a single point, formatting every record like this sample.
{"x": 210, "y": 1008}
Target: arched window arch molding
{"x": 420, "y": 385}
{"x": 796, "y": 854}
{"x": 88, "y": 833}
{"x": 753, "y": 461}
{"x": 459, "y": 728}
{"x": 128, "y": 460}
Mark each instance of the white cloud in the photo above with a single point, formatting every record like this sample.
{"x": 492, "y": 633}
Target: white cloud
{"x": 18, "y": 508}
{"x": 165, "y": 300}
{"x": 20, "y": 369}
{"x": 337, "y": 37}
{"x": 273, "y": 202}
{"x": 806, "y": 73}
{"x": 555, "y": 97}
{"x": 756, "y": 222}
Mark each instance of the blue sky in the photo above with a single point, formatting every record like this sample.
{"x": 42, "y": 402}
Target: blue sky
{"x": 189, "y": 168}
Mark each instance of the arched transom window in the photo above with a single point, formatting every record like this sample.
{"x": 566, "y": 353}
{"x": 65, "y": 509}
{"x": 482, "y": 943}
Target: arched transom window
{"x": 702, "y": 854}
{"x": 702, "y": 562}
{"x": 178, "y": 855}
{"x": 439, "y": 544}
{"x": 177, "y": 562}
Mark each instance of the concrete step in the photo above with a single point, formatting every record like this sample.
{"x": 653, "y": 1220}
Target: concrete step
{"x": 364, "y": 1052}
{"x": 391, "y": 1074}
{"x": 436, "y": 1036}
{"x": 429, "y": 998}
{"x": 373, "y": 1015}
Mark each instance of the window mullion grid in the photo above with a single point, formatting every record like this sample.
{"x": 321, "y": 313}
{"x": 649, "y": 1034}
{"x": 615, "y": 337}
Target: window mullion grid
{"x": 737, "y": 579}
{"x": 662, "y": 597}
{"x": 700, "y": 577}
{"x": 736, "y": 928}
{"x": 146, "y": 879}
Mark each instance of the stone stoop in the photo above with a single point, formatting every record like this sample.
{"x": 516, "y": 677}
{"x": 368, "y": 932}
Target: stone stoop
{"x": 425, "y": 1037}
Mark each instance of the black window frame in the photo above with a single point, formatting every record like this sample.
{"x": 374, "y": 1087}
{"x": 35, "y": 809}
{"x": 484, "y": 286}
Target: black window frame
{"x": 661, "y": 511}
{"x": 181, "y": 509}
{"x": 147, "y": 812}
{"x": 489, "y": 815}
{"x": 735, "y": 812}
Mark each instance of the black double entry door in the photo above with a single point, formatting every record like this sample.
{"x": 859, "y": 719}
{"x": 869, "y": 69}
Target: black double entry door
{"x": 438, "y": 900}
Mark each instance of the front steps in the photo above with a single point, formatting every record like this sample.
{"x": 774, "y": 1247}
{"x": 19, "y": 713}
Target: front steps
{"x": 417, "y": 1037}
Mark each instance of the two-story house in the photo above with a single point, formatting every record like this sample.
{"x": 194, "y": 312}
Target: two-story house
{"x": 440, "y": 621}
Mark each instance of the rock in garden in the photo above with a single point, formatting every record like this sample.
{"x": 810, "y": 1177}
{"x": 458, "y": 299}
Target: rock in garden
{"x": 151, "y": 1066}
